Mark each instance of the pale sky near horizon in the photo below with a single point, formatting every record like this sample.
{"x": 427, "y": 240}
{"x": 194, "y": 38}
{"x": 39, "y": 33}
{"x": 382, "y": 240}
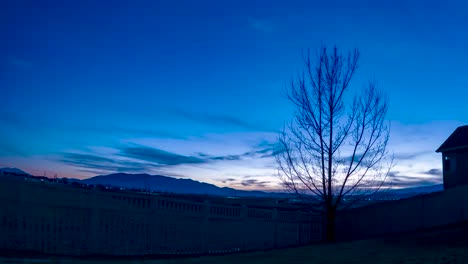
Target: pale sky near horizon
{"x": 196, "y": 88}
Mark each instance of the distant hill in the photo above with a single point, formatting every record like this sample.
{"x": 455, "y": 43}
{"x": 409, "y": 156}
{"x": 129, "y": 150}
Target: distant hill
{"x": 422, "y": 189}
{"x": 167, "y": 184}
{"x": 161, "y": 183}
{"x": 13, "y": 171}
{"x": 396, "y": 194}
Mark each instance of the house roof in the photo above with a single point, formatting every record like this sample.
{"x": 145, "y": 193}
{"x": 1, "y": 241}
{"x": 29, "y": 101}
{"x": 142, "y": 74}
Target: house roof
{"x": 457, "y": 140}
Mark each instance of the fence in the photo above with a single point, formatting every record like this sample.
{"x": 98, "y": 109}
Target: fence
{"x": 55, "y": 218}
{"x": 425, "y": 211}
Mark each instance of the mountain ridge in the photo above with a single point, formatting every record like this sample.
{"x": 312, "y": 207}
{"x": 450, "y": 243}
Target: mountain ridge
{"x": 160, "y": 183}
{"x": 166, "y": 184}
{"x": 13, "y": 170}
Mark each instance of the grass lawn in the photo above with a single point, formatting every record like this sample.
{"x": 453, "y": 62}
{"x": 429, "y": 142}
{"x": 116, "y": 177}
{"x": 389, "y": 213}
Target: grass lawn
{"x": 434, "y": 247}
{"x": 447, "y": 246}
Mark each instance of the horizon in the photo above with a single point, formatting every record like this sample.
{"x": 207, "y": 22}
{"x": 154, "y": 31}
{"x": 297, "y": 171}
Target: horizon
{"x": 18, "y": 171}
{"x": 196, "y": 91}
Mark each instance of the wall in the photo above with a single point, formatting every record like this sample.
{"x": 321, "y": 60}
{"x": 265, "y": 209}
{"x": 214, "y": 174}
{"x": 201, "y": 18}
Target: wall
{"x": 426, "y": 211}
{"x": 55, "y": 218}
{"x": 455, "y": 175}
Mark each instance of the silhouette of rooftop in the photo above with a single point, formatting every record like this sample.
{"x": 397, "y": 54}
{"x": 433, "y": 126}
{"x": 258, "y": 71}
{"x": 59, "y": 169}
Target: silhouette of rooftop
{"x": 457, "y": 140}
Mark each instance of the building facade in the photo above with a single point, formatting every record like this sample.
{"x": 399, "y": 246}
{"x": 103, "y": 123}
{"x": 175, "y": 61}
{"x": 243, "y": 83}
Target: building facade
{"x": 455, "y": 158}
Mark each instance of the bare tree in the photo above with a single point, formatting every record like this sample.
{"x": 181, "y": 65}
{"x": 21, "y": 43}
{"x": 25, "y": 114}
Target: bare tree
{"x": 333, "y": 153}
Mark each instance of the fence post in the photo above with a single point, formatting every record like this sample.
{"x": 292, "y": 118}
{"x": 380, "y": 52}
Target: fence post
{"x": 244, "y": 220}
{"x": 275, "y": 226}
{"x": 205, "y": 226}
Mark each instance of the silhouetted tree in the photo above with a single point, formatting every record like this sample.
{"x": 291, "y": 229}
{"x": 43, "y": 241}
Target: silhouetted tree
{"x": 333, "y": 153}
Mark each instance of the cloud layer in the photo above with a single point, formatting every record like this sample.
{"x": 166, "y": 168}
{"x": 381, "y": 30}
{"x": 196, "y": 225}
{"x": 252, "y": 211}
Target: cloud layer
{"x": 139, "y": 158}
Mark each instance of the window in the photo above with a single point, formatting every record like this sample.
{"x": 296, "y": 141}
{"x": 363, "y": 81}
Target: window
{"x": 447, "y": 163}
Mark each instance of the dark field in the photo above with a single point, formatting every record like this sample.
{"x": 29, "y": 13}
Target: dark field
{"x": 449, "y": 245}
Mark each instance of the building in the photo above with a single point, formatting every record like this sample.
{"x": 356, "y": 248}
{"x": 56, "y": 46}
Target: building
{"x": 455, "y": 158}
{"x": 431, "y": 211}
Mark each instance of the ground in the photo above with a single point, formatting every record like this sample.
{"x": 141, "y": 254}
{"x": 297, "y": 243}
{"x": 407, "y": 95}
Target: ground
{"x": 449, "y": 245}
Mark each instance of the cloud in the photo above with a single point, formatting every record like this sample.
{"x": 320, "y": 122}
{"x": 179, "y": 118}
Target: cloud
{"x": 435, "y": 172}
{"x": 228, "y": 180}
{"x": 410, "y": 155}
{"x": 85, "y": 158}
{"x": 226, "y": 157}
{"x": 404, "y": 181}
{"x": 162, "y": 157}
{"x": 409, "y": 184}
{"x": 206, "y": 158}
{"x": 260, "y": 151}
{"x": 255, "y": 176}
{"x": 270, "y": 150}
{"x": 219, "y": 120}
{"x": 261, "y": 25}
{"x": 98, "y": 164}
{"x": 255, "y": 183}
{"x": 264, "y": 150}
{"x": 139, "y": 158}
{"x": 158, "y": 156}
{"x": 247, "y": 183}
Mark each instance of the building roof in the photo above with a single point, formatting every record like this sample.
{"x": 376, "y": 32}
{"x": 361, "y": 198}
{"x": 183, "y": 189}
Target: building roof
{"x": 457, "y": 140}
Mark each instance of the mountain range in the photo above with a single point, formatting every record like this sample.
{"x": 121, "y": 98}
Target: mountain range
{"x": 13, "y": 171}
{"x": 160, "y": 183}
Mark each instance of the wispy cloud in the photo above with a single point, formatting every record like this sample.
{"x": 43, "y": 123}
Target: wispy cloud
{"x": 396, "y": 179}
{"x": 434, "y": 172}
{"x": 227, "y": 180}
{"x": 408, "y": 182}
{"x": 166, "y": 158}
{"x": 264, "y": 149}
{"x": 251, "y": 184}
{"x": 243, "y": 156}
{"x": 140, "y": 158}
{"x": 225, "y": 158}
{"x": 99, "y": 164}
{"x": 133, "y": 158}
{"x": 158, "y": 156}
{"x": 410, "y": 155}
{"x": 255, "y": 183}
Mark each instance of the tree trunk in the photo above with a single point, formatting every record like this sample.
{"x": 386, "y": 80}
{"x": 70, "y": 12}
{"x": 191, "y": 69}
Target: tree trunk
{"x": 330, "y": 225}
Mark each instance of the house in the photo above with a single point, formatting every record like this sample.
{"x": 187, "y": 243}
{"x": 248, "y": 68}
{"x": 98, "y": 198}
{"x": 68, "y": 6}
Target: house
{"x": 455, "y": 158}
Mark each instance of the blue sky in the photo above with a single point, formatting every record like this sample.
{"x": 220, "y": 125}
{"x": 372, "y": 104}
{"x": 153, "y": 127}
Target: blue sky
{"x": 196, "y": 88}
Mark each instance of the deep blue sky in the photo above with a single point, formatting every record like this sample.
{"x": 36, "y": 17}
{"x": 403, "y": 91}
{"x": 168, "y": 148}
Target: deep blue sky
{"x": 196, "y": 88}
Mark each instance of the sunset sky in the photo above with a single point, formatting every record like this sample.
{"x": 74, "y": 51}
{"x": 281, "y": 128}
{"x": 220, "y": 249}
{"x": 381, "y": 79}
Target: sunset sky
{"x": 196, "y": 88}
